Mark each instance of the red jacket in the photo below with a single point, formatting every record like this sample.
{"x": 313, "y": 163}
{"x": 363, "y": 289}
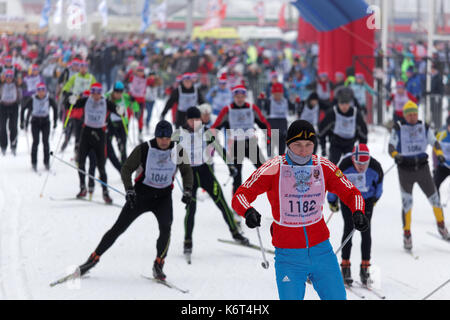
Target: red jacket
{"x": 266, "y": 179}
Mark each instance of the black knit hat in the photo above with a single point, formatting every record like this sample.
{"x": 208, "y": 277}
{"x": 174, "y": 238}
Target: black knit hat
{"x": 301, "y": 130}
{"x": 163, "y": 129}
{"x": 193, "y": 113}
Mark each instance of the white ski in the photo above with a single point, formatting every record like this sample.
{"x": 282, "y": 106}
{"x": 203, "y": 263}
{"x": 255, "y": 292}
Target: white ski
{"x": 354, "y": 292}
{"x": 372, "y": 290}
{"x": 165, "y": 283}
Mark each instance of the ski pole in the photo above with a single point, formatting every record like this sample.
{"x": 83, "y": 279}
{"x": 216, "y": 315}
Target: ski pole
{"x": 57, "y": 147}
{"x": 89, "y": 175}
{"x": 390, "y": 168}
{"x": 435, "y": 290}
{"x": 345, "y": 241}
{"x": 265, "y": 263}
{"x": 181, "y": 187}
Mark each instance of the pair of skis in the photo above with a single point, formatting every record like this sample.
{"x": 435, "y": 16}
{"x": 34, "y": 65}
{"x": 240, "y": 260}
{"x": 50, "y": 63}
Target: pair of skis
{"x": 85, "y": 199}
{"x": 367, "y": 288}
{"x": 76, "y": 275}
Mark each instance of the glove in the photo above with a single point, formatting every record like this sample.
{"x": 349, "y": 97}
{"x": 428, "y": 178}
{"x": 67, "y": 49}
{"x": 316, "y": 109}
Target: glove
{"x": 297, "y": 100}
{"x": 22, "y": 126}
{"x": 261, "y": 95}
{"x": 120, "y": 110}
{"x": 398, "y": 159}
{"x": 54, "y": 125}
{"x": 324, "y": 152}
{"x": 334, "y": 206}
{"x": 131, "y": 198}
{"x": 441, "y": 159}
{"x": 233, "y": 171}
{"x": 73, "y": 99}
{"x": 252, "y": 218}
{"x": 360, "y": 221}
{"x": 187, "y": 197}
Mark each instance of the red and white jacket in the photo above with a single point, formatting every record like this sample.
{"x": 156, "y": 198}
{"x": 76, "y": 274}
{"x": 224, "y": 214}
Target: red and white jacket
{"x": 266, "y": 179}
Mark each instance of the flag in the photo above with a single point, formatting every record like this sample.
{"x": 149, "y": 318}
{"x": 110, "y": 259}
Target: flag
{"x": 145, "y": 16}
{"x": 45, "y": 14}
{"x": 259, "y": 9}
{"x": 103, "y": 11}
{"x": 57, "y": 16}
{"x": 281, "y": 20}
{"x": 76, "y": 12}
{"x": 215, "y": 13}
{"x": 161, "y": 14}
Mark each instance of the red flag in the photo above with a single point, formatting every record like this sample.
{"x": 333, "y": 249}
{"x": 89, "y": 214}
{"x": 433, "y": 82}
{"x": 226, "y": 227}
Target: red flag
{"x": 281, "y": 20}
{"x": 223, "y": 10}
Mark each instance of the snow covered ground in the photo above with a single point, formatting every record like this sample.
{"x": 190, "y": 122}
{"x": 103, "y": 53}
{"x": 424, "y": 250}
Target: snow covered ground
{"x": 41, "y": 240}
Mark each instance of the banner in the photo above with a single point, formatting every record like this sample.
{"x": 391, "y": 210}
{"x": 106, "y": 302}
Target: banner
{"x": 281, "y": 19}
{"x": 259, "y": 9}
{"x": 161, "y": 14}
{"x": 145, "y": 16}
{"x": 103, "y": 11}
{"x": 77, "y": 14}
{"x": 57, "y": 16}
{"x": 215, "y": 13}
{"x": 45, "y": 14}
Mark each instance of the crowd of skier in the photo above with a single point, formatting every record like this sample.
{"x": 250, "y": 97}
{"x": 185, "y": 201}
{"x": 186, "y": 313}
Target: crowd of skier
{"x": 298, "y": 112}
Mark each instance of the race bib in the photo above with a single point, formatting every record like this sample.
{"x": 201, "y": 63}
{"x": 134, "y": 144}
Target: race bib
{"x": 345, "y": 127}
{"x": 95, "y": 113}
{"x": 413, "y": 139}
{"x": 160, "y": 168}
{"x": 358, "y": 180}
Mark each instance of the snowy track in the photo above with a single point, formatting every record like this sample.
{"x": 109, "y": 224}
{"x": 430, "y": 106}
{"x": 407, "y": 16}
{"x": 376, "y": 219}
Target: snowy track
{"x": 41, "y": 240}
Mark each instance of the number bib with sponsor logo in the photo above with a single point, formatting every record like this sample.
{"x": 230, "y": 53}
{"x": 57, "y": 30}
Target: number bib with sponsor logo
{"x": 95, "y": 113}
{"x": 242, "y": 122}
{"x": 358, "y": 180}
{"x": 195, "y": 146}
{"x": 302, "y": 194}
{"x": 137, "y": 87}
{"x": 9, "y": 93}
{"x": 446, "y": 149}
{"x": 160, "y": 167}
{"x": 186, "y": 100}
{"x": 311, "y": 115}
{"x": 345, "y": 127}
{"x": 81, "y": 84}
{"x": 32, "y": 83}
{"x": 413, "y": 139}
{"x": 40, "y": 107}
{"x": 278, "y": 109}
{"x": 221, "y": 99}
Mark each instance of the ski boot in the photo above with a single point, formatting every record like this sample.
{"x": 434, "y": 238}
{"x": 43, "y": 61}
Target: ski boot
{"x": 47, "y": 166}
{"x": 158, "y": 269}
{"x": 91, "y": 192}
{"x": 82, "y": 192}
{"x": 364, "y": 273}
{"x": 407, "y": 240}
{"x": 4, "y": 152}
{"x": 443, "y": 230}
{"x": 106, "y": 197}
{"x": 89, "y": 264}
{"x": 238, "y": 237}
{"x": 34, "y": 167}
{"x": 13, "y": 151}
{"x": 346, "y": 273}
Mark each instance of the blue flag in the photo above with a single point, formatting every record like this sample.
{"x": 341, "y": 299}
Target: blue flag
{"x": 145, "y": 16}
{"x": 45, "y": 14}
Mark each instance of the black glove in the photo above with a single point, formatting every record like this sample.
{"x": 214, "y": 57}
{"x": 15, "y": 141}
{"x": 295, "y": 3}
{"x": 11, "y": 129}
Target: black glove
{"x": 398, "y": 158}
{"x": 233, "y": 171}
{"x": 54, "y": 125}
{"x": 441, "y": 159}
{"x": 131, "y": 198}
{"x": 22, "y": 126}
{"x": 360, "y": 221}
{"x": 324, "y": 152}
{"x": 187, "y": 197}
{"x": 252, "y": 218}
{"x": 334, "y": 206}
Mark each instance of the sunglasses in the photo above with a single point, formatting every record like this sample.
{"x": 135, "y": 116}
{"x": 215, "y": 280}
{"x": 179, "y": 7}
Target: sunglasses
{"x": 83, "y": 65}
{"x": 9, "y": 76}
{"x": 96, "y": 91}
{"x": 240, "y": 92}
{"x": 41, "y": 89}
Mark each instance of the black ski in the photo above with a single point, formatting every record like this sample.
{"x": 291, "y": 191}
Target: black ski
{"x": 250, "y": 245}
{"x": 165, "y": 283}
{"x": 87, "y": 200}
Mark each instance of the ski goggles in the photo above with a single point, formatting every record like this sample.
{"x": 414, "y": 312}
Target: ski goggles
{"x": 96, "y": 90}
{"x": 9, "y": 76}
{"x": 41, "y": 89}
{"x": 83, "y": 64}
{"x": 239, "y": 91}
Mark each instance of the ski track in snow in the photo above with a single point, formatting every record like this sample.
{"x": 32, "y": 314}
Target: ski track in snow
{"x": 40, "y": 239}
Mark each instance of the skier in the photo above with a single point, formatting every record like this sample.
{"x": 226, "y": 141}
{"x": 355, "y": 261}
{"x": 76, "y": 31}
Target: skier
{"x": 398, "y": 99}
{"x": 344, "y": 125}
{"x": 359, "y": 88}
{"x": 296, "y": 183}
{"x": 186, "y": 95}
{"x": 137, "y": 86}
{"x": 118, "y": 124}
{"x": 407, "y": 145}
{"x": 366, "y": 174}
{"x": 96, "y": 113}
{"x": 277, "y": 108}
{"x": 195, "y": 138}
{"x": 10, "y": 98}
{"x": 324, "y": 89}
{"x": 220, "y": 95}
{"x": 240, "y": 117}
{"x": 30, "y": 83}
{"x": 156, "y": 163}
{"x": 39, "y": 108}
{"x": 442, "y": 170}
